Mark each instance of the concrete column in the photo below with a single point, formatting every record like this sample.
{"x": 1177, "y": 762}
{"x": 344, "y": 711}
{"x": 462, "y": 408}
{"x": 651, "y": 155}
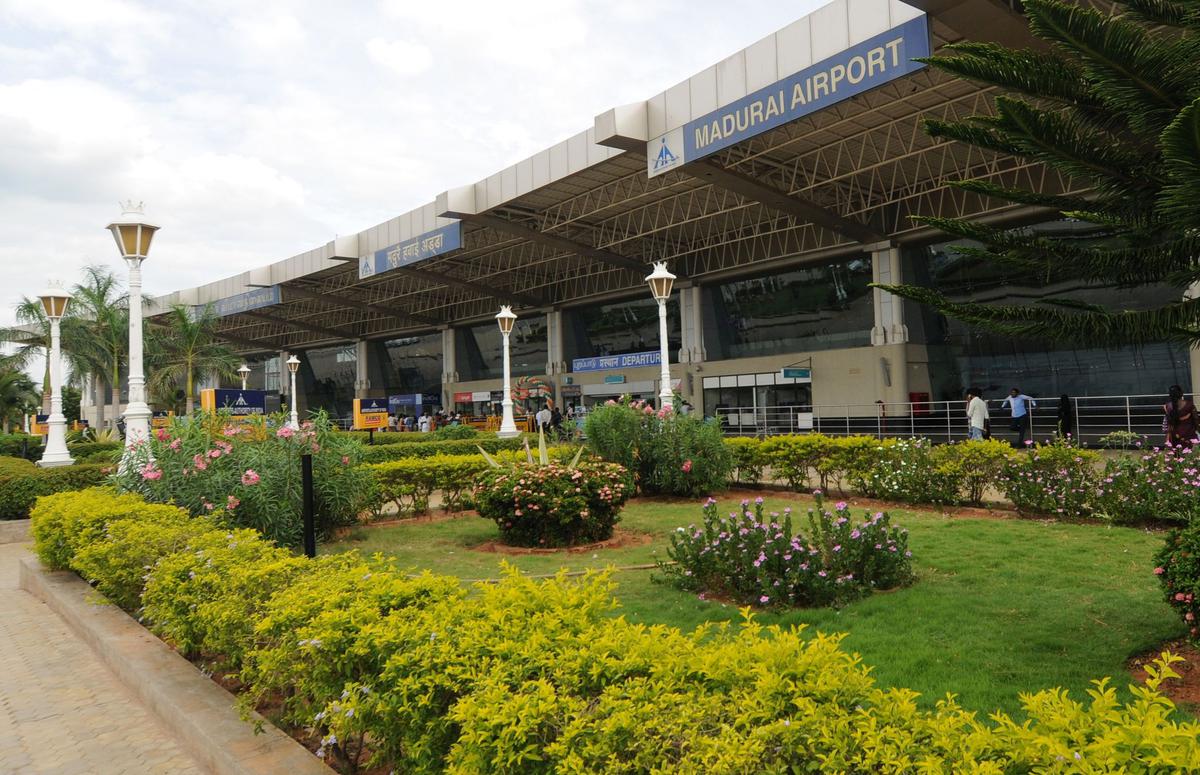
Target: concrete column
{"x": 691, "y": 322}
{"x": 889, "y": 325}
{"x": 449, "y": 365}
{"x": 1193, "y": 352}
{"x": 362, "y": 379}
{"x": 554, "y": 343}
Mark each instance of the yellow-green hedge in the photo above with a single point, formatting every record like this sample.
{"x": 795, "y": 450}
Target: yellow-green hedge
{"x": 529, "y": 676}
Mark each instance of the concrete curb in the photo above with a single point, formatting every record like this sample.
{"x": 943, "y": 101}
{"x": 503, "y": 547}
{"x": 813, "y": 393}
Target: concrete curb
{"x": 14, "y": 531}
{"x": 200, "y": 713}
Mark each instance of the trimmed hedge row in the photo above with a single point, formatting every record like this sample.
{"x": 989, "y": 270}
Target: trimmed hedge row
{"x": 22, "y": 482}
{"x": 536, "y": 677}
{"x": 381, "y": 453}
{"x": 21, "y": 445}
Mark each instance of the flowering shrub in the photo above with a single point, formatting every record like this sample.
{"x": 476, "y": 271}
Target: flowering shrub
{"x": 1155, "y": 484}
{"x": 536, "y": 676}
{"x": 757, "y": 558}
{"x": 914, "y": 471}
{"x": 668, "y": 453}
{"x": 553, "y": 505}
{"x": 1055, "y": 479}
{"x": 251, "y": 473}
{"x": 1178, "y": 570}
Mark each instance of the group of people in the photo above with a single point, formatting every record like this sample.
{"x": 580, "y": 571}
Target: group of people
{"x": 1178, "y": 425}
{"x": 425, "y": 422}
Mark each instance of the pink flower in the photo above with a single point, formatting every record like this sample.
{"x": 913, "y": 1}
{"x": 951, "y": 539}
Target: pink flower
{"x": 764, "y": 599}
{"x": 214, "y": 453}
{"x": 285, "y": 432}
{"x": 1189, "y": 616}
{"x": 230, "y": 430}
{"x": 648, "y": 410}
{"x": 162, "y": 434}
{"x": 686, "y": 467}
{"x": 250, "y": 477}
{"x": 1159, "y": 571}
{"x": 176, "y": 444}
{"x": 151, "y": 472}
{"x": 232, "y": 502}
{"x": 345, "y": 460}
{"x": 316, "y": 447}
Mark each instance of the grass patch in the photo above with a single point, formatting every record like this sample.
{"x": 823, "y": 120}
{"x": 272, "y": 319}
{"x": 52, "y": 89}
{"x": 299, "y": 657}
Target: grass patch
{"x": 999, "y": 606}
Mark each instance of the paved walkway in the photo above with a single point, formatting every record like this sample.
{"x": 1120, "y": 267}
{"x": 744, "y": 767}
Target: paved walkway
{"x": 61, "y": 711}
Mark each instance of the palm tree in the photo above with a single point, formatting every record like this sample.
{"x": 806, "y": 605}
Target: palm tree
{"x": 17, "y": 397}
{"x": 1114, "y": 102}
{"x": 185, "y": 347}
{"x": 99, "y": 333}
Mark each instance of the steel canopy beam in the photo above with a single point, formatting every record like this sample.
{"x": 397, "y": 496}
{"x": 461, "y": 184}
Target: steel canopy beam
{"x": 346, "y": 301}
{"x": 798, "y": 207}
{"x": 437, "y": 278}
{"x": 554, "y": 241}
{"x": 336, "y": 333}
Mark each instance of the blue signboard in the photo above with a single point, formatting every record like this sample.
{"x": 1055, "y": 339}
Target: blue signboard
{"x": 412, "y": 399}
{"x": 241, "y": 403}
{"x": 243, "y": 302}
{"x": 625, "y": 361}
{"x": 862, "y": 67}
{"x": 373, "y": 405}
{"x": 419, "y": 248}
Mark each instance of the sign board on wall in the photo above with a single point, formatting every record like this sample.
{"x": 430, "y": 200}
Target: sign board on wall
{"x": 624, "y": 361}
{"x": 791, "y": 372}
{"x": 875, "y": 61}
{"x": 419, "y": 248}
{"x": 244, "y": 302}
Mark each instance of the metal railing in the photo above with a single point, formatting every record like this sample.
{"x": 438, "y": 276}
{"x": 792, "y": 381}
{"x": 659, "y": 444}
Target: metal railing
{"x": 1093, "y": 417}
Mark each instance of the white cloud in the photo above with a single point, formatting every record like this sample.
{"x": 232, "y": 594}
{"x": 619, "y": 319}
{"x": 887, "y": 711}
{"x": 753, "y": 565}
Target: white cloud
{"x": 402, "y": 57}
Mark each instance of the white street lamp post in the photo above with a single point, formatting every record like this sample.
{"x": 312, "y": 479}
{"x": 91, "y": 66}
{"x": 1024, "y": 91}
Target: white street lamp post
{"x": 508, "y": 427}
{"x": 54, "y": 302}
{"x": 660, "y": 281}
{"x": 293, "y": 364}
{"x": 244, "y": 371}
{"x": 133, "y": 235}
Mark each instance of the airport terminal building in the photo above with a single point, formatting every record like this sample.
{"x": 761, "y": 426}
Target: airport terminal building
{"x": 776, "y": 184}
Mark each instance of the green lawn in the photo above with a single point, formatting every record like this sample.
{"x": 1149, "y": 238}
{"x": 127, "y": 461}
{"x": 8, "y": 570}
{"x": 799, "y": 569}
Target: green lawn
{"x": 999, "y": 606}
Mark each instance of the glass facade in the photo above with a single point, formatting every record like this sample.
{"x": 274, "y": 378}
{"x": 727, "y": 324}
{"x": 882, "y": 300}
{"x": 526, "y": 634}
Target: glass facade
{"x": 961, "y": 356}
{"x": 480, "y": 354}
{"x": 327, "y": 377}
{"x": 619, "y": 327}
{"x": 734, "y": 392}
{"x": 815, "y": 308}
{"x": 264, "y": 373}
{"x": 412, "y": 364}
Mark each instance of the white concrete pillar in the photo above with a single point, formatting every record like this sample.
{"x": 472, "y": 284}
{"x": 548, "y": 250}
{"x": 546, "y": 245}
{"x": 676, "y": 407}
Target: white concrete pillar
{"x": 889, "y": 325}
{"x": 1193, "y": 292}
{"x": 449, "y": 367}
{"x": 362, "y": 379}
{"x": 554, "y": 343}
{"x": 691, "y": 321}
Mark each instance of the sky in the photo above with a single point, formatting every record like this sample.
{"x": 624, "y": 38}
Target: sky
{"x": 255, "y": 131}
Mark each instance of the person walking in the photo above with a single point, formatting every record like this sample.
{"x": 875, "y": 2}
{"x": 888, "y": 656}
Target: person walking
{"x": 542, "y": 418}
{"x": 1066, "y": 417}
{"x": 1021, "y": 405}
{"x": 1179, "y": 418}
{"x": 424, "y": 423}
{"x": 977, "y": 415}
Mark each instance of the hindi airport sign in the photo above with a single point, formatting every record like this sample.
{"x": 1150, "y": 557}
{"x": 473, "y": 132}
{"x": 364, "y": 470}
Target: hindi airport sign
{"x": 244, "y": 302}
{"x": 624, "y": 361}
{"x": 874, "y": 62}
{"x": 419, "y": 248}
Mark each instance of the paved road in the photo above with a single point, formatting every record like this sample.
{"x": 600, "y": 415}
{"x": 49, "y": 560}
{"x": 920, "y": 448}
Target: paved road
{"x": 61, "y": 711}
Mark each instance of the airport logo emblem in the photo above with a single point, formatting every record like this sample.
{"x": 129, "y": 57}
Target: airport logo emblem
{"x": 366, "y": 267}
{"x": 241, "y": 401}
{"x": 665, "y": 158}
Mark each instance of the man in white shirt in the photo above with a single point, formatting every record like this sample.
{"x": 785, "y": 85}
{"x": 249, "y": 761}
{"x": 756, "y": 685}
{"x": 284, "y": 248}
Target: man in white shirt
{"x": 542, "y": 418}
{"x": 423, "y": 423}
{"x": 977, "y": 414}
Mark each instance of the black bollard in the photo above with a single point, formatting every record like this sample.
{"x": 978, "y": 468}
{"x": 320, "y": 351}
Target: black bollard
{"x": 310, "y": 530}
{"x": 371, "y": 436}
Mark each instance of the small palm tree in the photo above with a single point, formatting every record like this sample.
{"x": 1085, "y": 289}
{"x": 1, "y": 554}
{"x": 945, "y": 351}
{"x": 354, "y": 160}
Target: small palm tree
{"x": 18, "y": 396}
{"x": 97, "y": 334}
{"x": 185, "y": 348}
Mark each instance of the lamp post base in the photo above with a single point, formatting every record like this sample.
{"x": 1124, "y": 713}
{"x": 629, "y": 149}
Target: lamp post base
{"x": 137, "y": 424}
{"x": 56, "y": 459}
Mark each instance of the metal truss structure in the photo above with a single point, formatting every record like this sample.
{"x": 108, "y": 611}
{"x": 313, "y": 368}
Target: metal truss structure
{"x": 822, "y": 187}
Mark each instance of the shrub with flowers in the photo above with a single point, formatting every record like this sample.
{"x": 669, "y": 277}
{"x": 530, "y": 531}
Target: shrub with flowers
{"x": 914, "y": 471}
{"x": 1056, "y": 479}
{"x": 1150, "y": 485}
{"x": 1178, "y": 570}
{"x": 667, "y": 452}
{"x": 555, "y": 504}
{"x": 758, "y": 558}
{"x": 250, "y": 472}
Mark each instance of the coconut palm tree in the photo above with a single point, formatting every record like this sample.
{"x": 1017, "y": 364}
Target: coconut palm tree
{"x": 1112, "y": 99}
{"x": 18, "y": 396}
{"x": 98, "y": 333}
{"x": 185, "y": 348}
